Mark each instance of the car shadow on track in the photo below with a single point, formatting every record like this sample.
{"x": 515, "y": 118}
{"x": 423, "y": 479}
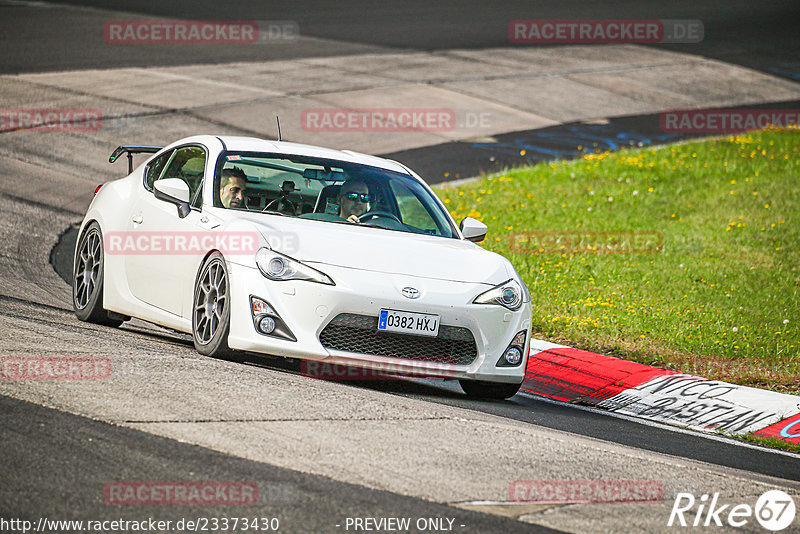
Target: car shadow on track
{"x": 397, "y": 385}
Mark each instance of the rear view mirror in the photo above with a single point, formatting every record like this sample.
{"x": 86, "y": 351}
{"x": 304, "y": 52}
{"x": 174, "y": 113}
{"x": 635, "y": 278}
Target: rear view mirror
{"x": 323, "y": 175}
{"x": 175, "y": 191}
{"x": 473, "y": 230}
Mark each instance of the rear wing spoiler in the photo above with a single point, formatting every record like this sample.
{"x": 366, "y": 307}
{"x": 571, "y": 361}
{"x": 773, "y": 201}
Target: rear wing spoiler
{"x": 130, "y": 150}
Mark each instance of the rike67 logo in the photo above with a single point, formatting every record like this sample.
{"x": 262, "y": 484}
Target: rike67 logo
{"x": 774, "y": 510}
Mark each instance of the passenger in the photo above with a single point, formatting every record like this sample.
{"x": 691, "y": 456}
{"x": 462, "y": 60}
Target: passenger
{"x": 354, "y": 200}
{"x": 232, "y": 187}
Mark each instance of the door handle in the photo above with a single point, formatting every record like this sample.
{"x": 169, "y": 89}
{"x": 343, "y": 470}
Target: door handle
{"x": 138, "y": 219}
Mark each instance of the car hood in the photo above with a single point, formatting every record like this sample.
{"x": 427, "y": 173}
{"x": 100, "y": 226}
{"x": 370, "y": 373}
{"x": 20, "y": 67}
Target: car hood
{"x": 378, "y": 249}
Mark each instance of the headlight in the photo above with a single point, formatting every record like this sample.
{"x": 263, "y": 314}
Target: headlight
{"x": 526, "y": 294}
{"x": 509, "y": 294}
{"x": 276, "y": 266}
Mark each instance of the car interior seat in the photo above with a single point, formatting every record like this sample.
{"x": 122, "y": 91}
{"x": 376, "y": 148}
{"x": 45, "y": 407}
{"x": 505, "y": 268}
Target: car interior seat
{"x": 327, "y": 202}
{"x": 192, "y": 174}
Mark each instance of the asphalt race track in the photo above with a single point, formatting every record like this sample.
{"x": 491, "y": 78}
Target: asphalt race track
{"x": 766, "y": 39}
{"x": 73, "y": 454}
{"x": 320, "y": 452}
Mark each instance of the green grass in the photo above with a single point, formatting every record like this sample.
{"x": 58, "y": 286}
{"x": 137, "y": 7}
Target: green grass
{"x": 720, "y": 299}
{"x": 775, "y": 443}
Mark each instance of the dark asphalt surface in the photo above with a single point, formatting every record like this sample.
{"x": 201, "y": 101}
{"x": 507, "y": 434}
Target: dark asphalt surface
{"x": 761, "y": 35}
{"x": 563, "y": 416}
{"x": 764, "y": 37}
{"x": 62, "y": 462}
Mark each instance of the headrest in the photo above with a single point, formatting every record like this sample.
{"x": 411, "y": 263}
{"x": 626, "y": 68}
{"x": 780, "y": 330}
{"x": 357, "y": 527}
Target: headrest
{"x": 194, "y": 166}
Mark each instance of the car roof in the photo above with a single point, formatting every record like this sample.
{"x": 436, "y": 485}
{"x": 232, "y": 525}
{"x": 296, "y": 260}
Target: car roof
{"x": 254, "y": 144}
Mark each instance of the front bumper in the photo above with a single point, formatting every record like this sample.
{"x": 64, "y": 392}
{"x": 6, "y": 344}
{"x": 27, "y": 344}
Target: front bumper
{"x": 307, "y": 308}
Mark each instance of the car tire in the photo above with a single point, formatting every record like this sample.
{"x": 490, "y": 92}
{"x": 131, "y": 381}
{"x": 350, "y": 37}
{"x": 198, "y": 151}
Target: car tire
{"x": 479, "y": 389}
{"x": 211, "y": 311}
{"x": 87, "y": 280}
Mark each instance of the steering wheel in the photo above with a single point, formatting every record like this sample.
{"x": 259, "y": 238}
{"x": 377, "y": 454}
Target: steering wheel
{"x": 286, "y": 203}
{"x": 373, "y": 214}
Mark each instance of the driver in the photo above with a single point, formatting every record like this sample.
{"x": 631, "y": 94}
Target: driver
{"x": 354, "y": 200}
{"x": 232, "y": 187}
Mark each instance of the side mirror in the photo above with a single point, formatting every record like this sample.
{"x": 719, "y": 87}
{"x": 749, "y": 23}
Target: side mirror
{"x": 473, "y": 229}
{"x": 175, "y": 191}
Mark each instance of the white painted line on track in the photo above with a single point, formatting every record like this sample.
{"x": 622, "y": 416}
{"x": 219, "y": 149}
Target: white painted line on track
{"x": 663, "y": 426}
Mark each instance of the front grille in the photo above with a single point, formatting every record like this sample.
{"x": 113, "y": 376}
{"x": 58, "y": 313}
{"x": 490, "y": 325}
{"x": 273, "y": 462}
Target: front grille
{"x": 359, "y": 333}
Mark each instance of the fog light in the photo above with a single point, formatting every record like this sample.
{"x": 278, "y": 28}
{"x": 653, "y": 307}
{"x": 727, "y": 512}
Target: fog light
{"x": 513, "y": 356}
{"x": 267, "y": 324}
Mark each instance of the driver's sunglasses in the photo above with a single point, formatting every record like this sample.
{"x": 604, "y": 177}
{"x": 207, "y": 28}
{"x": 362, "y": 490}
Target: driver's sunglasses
{"x": 364, "y": 197}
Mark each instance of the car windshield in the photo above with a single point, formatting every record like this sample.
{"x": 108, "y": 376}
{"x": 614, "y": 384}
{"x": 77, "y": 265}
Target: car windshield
{"x": 328, "y": 190}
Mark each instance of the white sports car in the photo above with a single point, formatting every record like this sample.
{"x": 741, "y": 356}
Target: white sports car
{"x": 305, "y": 252}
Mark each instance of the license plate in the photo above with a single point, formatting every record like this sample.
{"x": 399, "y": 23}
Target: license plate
{"x": 420, "y": 324}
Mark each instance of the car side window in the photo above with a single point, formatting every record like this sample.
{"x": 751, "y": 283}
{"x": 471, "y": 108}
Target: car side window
{"x": 412, "y": 211}
{"x": 189, "y": 164}
{"x": 155, "y": 168}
